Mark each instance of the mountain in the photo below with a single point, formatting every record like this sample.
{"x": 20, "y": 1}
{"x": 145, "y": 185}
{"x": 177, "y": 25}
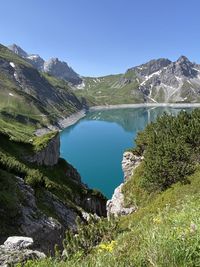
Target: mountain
{"x": 61, "y": 70}
{"x": 53, "y": 66}
{"x": 41, "y": 195}
{"x": 30, "y": 97}
{"x": 158, "y": 80}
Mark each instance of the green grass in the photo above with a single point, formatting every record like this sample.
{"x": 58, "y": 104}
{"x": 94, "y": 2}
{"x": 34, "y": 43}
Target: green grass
{"x": 5, "y": 53}
{"x": 109, "y": 90}
{"x": 165, "y": 229}
{"x": 165, "y": 232}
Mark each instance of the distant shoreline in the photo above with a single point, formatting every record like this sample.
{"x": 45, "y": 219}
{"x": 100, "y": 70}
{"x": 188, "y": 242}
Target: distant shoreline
{"x": 74, "y": 118}
{"x": 62, "y": 123}
{"x": 143, "y": 105}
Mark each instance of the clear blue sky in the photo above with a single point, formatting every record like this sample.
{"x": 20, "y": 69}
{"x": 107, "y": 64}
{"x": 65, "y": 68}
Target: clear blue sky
{"x": 98, "y": 37}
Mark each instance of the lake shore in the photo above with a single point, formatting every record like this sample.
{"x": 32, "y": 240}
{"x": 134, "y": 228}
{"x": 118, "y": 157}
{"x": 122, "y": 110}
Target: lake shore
{"x": 143, "y": 105}
{"x": 74, "y": 118}
{"x": 62, "y": 123}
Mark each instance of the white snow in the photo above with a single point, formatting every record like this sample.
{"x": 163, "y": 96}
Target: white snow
{"x": 81, "y": 86}
{"x": 12, "y": 64}
{"x": 178, "y": 78}
{"x": 33, "y": 56}
{"x": 196, "y": 69}
{"x": 150, "y": 76}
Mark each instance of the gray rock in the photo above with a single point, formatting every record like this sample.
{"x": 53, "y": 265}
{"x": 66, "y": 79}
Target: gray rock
{"x": 18, "y": 242}
{"x": 14, "y": 250}
{"x": 53, "y": 66}
{"x": 150, "y": 67}
{"x": 129, "y": 163}
{"x": 32, "y": 222}
{"x": 18, "y": 50}
{"x": 61, "y": 70}
{"x": 36, "y": 61}
{"x": 115, "y": 206}
{"x": 49, "y": 155}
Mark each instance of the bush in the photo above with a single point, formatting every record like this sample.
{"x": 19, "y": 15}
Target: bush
{"x": 171, "y": 148}
{"x": 89, "y": 235}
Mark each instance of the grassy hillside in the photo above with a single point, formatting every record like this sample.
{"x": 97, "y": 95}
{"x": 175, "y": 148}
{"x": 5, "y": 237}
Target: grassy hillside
{"x": 165, "y": 230}
{"x": 112, "y": 89}
{"x": 31, "y": 98}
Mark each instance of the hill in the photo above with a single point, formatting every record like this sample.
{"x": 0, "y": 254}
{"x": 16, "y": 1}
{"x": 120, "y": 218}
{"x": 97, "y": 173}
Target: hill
{"x": 157, "y": 81}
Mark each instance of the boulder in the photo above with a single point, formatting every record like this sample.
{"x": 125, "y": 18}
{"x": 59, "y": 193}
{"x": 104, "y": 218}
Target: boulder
{"x": 15, "y": 250}
{"x": 18, "y": 242}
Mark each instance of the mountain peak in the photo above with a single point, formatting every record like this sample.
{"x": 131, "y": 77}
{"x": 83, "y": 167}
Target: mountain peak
{"x": 17, "y": 50}
{"x": 183, "y": 59}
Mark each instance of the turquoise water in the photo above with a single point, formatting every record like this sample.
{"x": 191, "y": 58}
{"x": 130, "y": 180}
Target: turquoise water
{"x": 95, "y": 145}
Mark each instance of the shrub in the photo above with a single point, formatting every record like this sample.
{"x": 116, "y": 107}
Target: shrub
{"x": 171, "y": 148}
{"x": 89, "y": 235}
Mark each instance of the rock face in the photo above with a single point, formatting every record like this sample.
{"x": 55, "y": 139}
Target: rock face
{"x": 33, "y": 217}
{"x": 129, "y": 163}
{"x": 18, "y": 50}
{"x": 95, "y": 204}
{"x": 53, "y": 66}
{"x": 61, "y": 70}
{"x": 35, "y": 94}
{"x": 165, "y": 81}
{"x": 49, "y": 155}
{"x": 115, "y": 206}
{"x": 17, "y": 249}
{"x": 32, "y": 222}
{"x": 36, "y": 61}
{"x": 18, "y": 242}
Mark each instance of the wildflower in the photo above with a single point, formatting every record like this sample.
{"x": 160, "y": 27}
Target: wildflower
{"x": 107, "y": 246}
{"x": 157, "y": 220}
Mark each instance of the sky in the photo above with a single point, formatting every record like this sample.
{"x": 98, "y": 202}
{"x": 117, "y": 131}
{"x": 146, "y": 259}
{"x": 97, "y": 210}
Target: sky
{"x": 101, "y": 37}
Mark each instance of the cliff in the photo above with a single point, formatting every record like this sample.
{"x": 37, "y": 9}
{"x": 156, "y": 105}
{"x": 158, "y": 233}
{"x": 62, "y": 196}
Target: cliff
{"x": 115, "y": 206}
{"x": 49, "y": 155}
{"x": 44, "y": 195}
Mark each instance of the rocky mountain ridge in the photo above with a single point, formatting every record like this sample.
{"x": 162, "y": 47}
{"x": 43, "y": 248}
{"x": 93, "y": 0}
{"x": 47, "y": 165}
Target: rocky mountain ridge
{"x": 53, "y": 66}
{"x": 157, "y": 81}
{"x": 31, "y": 97}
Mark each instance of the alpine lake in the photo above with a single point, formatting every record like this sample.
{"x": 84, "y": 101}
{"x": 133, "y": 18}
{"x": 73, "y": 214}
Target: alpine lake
{"x": 95, "y": 144}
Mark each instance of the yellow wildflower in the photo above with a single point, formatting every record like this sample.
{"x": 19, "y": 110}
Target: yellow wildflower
{"x": 157, "y": 220}
{"x": 107, "y": 246}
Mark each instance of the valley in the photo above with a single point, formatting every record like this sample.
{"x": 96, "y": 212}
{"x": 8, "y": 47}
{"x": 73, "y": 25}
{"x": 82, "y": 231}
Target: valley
{"x": 69, "y": 143}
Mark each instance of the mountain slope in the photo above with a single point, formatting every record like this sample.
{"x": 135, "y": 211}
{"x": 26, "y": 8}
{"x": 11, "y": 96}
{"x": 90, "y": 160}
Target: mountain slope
{"x": 30, "y": 97}
{"x": 164, "y": 229}
{"x": 53, "y": 66}
{"x": 156, "y": 81}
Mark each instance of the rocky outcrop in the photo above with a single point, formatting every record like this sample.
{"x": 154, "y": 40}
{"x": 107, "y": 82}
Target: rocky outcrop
{"x": 115, "y": 206}
{"x": 17, "y": 249}
{"x": 61, "y": 70}
{"x": 45, "y": 217}
{"x": 49, "y": 155}
{"x": 32, "y": 222}
{"x": 95, "y": 204}
{"x": 129, "y": 163}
